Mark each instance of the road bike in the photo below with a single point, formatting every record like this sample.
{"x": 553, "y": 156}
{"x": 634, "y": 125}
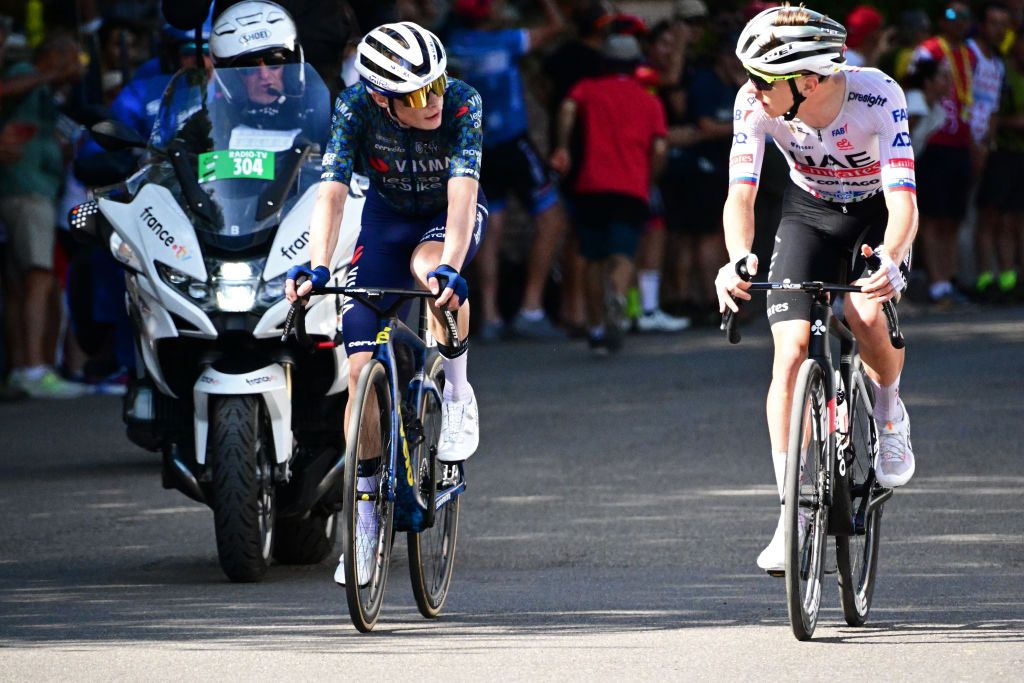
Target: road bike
{"x": 830, "y": 485}
{"x": 392, "y": 479}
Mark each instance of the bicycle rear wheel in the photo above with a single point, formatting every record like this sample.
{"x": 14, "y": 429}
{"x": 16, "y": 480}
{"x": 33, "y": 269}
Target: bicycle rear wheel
{"x": 432, "y": 551}
{"x": 857, "y": 555}
{"x": 807, "y": 472}
{"x": 367, "y": 515}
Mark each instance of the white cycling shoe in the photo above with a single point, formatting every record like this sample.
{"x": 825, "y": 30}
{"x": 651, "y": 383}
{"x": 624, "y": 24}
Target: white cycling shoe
{"x": 773, "y": 558}
{"x": 366, "y": 545}
{"x": 894, "y": 464}
{"x": 460, "y": 430}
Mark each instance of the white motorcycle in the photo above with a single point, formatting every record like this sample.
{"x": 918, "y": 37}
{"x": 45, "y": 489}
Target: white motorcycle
{"x": 248, "y": 423}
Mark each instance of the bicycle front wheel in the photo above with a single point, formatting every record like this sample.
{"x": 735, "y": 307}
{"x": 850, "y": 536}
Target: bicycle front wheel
{"x": 857, "y": 555}
{"x": 367, "y": 513}
{"x": 807, "y": 472}
{"x": 432, "y": 551}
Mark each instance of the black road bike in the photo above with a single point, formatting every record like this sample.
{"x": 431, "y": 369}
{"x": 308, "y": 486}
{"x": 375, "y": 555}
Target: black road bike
{"x": 830, "y": 487}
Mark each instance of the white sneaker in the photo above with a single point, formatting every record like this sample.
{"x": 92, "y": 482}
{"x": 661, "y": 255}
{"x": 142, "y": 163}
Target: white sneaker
{"x": 894, "y": 464}
{"x": 460, "y": 430}
{"x": 366, "y": 548}
{"x": 660, "y": 321}
{"x": 773, "y": 558}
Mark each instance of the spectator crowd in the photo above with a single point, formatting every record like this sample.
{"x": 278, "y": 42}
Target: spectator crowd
{"x": 606, "y": 147}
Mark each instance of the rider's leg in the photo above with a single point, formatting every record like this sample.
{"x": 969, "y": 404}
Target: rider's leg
{"x": 550, "y": 228}
{"x": 790, "y": 338}
{"x": 882, "y": 363}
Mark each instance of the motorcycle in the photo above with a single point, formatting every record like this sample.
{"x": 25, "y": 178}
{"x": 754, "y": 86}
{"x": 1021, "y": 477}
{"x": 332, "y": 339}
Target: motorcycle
{"x": 246, "y": 422}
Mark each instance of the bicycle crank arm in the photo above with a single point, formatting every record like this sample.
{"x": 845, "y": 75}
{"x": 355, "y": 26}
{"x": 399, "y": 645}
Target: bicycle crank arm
{"x": 879, "y": 500}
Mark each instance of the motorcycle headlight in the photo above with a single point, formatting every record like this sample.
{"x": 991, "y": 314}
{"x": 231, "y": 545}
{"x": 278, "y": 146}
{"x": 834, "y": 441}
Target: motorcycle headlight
{"x": 234, "y": 286}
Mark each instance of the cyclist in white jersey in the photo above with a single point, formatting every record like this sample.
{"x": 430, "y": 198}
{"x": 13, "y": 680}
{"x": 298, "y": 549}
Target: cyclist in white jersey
{"x": 844, "y": 133}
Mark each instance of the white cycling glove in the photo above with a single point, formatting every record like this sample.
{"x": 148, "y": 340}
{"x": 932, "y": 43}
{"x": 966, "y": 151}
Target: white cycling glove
{"x": 891, "y": 269}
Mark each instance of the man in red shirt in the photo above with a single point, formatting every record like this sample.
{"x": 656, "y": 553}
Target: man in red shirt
{"x": 944, "y": 169}
{"x": 623, "y": 131}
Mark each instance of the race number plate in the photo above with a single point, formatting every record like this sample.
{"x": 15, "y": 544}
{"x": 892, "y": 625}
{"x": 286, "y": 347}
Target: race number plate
{"x": 236, "y": 163}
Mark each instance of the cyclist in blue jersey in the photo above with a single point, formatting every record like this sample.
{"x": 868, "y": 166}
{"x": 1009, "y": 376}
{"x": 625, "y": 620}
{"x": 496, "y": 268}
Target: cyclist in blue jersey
{"x": 487, "y": 57}
{"x": 417, "y": 134}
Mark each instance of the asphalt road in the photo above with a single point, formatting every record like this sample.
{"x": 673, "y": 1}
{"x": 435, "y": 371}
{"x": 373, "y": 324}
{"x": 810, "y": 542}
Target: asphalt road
{"x": 614, "y": 513}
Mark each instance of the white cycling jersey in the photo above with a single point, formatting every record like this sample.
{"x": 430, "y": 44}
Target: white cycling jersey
{"x": 865, "y": 150}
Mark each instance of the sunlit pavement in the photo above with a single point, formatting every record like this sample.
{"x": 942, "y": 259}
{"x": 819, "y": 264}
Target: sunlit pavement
{"x": 610, "y": 528}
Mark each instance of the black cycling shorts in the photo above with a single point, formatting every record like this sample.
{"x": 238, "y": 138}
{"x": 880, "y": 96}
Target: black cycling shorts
{"x": 515, "y": 166}
{"x": 817, "y": 241}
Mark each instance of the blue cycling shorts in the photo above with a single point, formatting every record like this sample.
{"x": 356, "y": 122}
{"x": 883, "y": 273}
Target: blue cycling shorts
{"x": 383, "y": 255}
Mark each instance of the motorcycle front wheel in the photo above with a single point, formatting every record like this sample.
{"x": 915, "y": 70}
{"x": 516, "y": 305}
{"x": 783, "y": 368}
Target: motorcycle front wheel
{"x": 241, "y": 456}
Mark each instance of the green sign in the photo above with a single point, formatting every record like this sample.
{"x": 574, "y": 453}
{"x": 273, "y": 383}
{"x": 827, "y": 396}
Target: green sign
{"x": 236, "y": 163}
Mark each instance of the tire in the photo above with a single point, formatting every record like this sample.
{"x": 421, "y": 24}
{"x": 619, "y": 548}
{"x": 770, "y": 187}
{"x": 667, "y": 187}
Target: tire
{"x": 857, "y": 555}
{"x": 432, "y": 551}
{"x": 305, "y": 541}
{"x": 243, "y": 486}
{"x": 372, "y": 401}
{"x": 808, "y": 444}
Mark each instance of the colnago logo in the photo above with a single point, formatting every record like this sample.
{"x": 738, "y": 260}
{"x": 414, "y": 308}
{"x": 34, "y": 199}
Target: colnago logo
{"x": 869, "y": 99}
{"x": 292, "y": 250}
{"x": 163, "y": 234}
{"x": 778, "y": 308}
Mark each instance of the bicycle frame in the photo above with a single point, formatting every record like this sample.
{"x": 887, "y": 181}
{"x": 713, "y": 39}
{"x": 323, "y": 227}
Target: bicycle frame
{"x": 392, "y": 331}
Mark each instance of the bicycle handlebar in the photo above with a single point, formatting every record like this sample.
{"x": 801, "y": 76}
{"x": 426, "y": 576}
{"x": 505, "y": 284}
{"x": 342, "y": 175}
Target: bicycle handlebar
{"x": 296, "y": 318}
{"x": 732, "y": 331}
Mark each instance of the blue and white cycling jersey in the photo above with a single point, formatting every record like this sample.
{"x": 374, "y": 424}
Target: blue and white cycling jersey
{"x": 407, "y": 167}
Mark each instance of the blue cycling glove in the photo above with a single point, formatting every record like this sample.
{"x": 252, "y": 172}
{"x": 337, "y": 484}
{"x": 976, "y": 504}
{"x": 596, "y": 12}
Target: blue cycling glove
{"x": 319, "y": 276}
{"x": 449, "y": 277}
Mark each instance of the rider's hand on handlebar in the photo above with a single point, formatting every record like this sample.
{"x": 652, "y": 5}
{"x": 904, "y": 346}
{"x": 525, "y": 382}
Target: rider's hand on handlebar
{"x": 729, "y": 285}
{"x": 887, "y": 282}
{"x": 316, "y": 278}
{"x": 451, "y": 289}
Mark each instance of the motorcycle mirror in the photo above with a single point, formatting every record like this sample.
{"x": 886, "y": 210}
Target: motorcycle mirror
{"x": 114, "y": 135}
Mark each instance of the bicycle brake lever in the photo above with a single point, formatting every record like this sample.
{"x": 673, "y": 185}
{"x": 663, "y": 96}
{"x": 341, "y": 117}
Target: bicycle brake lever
{"x": 888, "y": 308}
{"x": 729, "y": 326}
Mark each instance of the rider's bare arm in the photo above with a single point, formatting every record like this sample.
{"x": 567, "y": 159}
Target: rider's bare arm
{"x": 738, "y": 219}
{"x": 325, "y": 222}
{"x": 902, "y": 226}
{"x": 461, "y": 219}
{"x": 324, "y": 225}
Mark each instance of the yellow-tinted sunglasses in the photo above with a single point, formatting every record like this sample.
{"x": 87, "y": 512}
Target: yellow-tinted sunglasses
{"x": 764, "y": 82}
{"x": 417, "y": 99}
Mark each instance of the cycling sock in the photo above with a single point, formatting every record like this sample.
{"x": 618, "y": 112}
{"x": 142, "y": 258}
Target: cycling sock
{"x": 456, "y": 384}
{"x": 779, "y": 463}
{"x": 649, "y": 281}
{"x": 887, "y": 401}
{"x": 532, "y": 314}
{"x": 368, "y": 480}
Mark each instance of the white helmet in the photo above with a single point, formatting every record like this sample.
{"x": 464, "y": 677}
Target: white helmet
{"x": 252, "y": 27}
{"x": 817, "y": 46}
{"x": 395, "y": 59}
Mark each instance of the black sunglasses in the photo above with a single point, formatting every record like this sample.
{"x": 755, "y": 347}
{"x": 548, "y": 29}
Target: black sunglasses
{"x": 275, "y": 59}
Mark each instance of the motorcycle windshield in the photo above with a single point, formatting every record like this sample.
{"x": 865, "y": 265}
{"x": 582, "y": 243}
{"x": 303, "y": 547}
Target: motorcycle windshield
{"x": 251, "y": 138}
